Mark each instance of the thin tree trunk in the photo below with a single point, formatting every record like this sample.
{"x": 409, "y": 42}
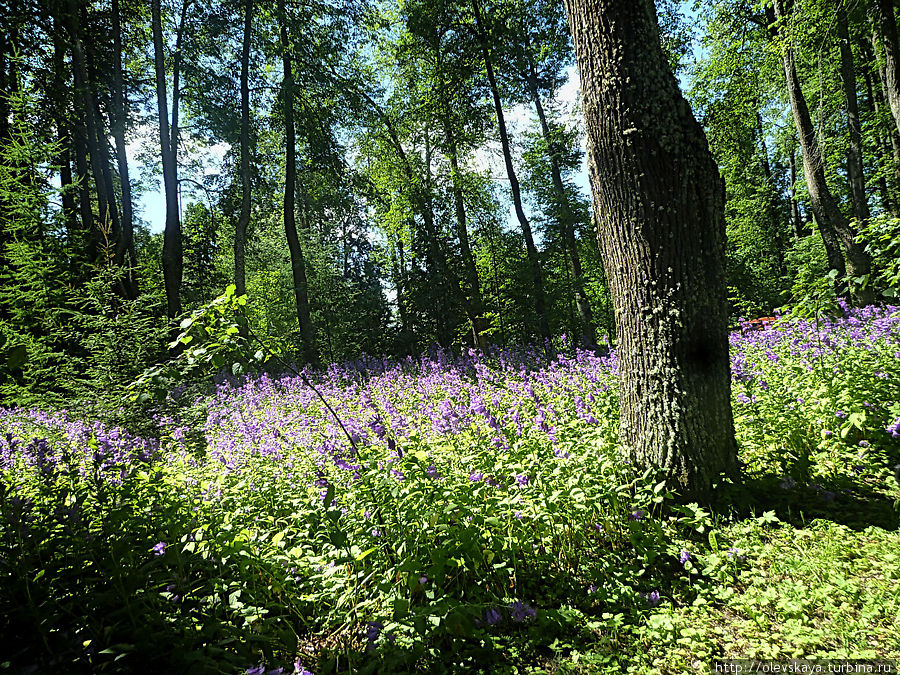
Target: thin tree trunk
{"x": 69, "y": 210}
{"x": 82, "y": 174}
{"x": 298, "y": 265}
{"x": 880, "y": 101}
{"x": 475, "y": 311}
{"x": 837, "y": 232}
{"x": 441, "y": 258}
{"x": 796, "y": 222}
{"x": 880, "y": 144}
{"x": 659, "y": 202}
{"x": 887, "y": 24}
{"x": 566, "y": 217}
{"x": 240, "y": 230}
{"x": 419, "y": 199}
{"x": 537, "y": 277}
{"x": 113, "y": 225}
{"x": 110, "y": 216}
{"x": 402, "y": 309}
{"x": 92, "y": 134}
{"x": 854, "y": 152}
{"x": 175, "y": 128}
{"x": 774, "y": 228}
{"x": 172, "y": 255}
{"x": 125, "y": 245}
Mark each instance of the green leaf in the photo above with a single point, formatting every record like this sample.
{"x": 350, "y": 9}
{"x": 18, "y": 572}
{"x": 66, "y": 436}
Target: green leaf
{"x": 365, "y": 554}
{"x": 16, "y": 357}
{"x": 401, "y": 608}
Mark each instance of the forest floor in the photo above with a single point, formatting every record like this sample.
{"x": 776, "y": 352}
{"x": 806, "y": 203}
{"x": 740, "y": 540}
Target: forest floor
{"x": 459, "y": 513}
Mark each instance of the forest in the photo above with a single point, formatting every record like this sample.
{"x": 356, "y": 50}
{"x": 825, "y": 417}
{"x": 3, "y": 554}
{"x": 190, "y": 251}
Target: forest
{"x": 395, "y": 336}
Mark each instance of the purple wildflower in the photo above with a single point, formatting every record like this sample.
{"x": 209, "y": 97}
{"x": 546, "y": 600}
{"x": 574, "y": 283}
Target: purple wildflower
{"x": 684, "y": 557}
{"x": 159, "y": 549}
{"x": 894, "y": 428}
{"x": 492, "y": 616}
{"x": 373, "y": 631}
{"x": 520, "y": 611}
{"x": 637, "y": 515}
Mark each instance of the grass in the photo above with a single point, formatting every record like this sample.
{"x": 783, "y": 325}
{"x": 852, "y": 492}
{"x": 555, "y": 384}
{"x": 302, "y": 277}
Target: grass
{"x": 467, "y": 514}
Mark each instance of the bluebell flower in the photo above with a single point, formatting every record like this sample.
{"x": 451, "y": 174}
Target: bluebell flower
{"x": 520, "y": 611}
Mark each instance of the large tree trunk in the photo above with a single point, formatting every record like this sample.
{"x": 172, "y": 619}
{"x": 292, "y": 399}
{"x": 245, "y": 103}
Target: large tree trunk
{"x": 537, "y": 276}
{"x": 240, "y": 231}
{"x": 125, "y": 245}
{"x": 475, "y": 301}
{"x": 887, "y": 24}
{"x": 566, "y": 216}
{"x": 298, "y": 265}
{"x": 659, "y": 202}
{"x": 837, "y": 232}
{"x": 854, "y": 152}
{"x": 172, "y": 259}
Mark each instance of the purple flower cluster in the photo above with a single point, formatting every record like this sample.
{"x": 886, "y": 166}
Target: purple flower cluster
{"x": 48, "y": 442}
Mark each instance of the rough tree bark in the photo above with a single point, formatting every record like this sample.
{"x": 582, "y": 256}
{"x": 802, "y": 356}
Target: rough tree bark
{"x": 172, "y": 254}
{"x": 240, "y": 230}
{"x": 298, "y": 265}
{"x": 837, "y": 232}
{"x": 537, "y": 275}
{"x": 659, "y": 202}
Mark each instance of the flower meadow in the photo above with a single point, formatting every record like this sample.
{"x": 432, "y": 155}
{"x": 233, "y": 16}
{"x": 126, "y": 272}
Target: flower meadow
{"x": 461, "y": 513}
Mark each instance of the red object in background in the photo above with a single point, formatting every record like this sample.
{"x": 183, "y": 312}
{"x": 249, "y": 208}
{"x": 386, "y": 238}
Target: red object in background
{"x": 762, "y": 323}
